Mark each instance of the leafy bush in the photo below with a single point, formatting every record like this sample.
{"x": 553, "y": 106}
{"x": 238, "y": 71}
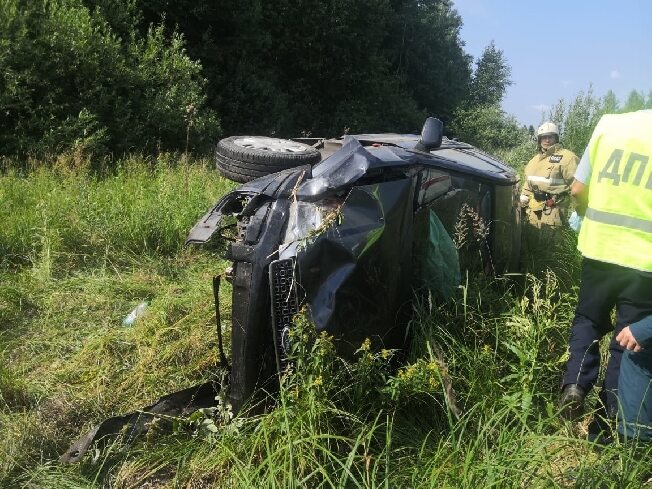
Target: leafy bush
{"x": 70, "y": 82}
{"x": 487, "y": 127}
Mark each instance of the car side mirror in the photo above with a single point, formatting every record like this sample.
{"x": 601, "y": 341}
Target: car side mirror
{"x": 431, "y": 134}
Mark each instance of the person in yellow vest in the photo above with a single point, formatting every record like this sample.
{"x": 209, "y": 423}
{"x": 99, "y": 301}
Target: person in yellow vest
{"x": 613, "y": 191}
{"x": 548, "y": 178}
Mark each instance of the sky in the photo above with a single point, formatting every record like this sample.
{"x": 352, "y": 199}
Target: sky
{"x": 557, "y": 49}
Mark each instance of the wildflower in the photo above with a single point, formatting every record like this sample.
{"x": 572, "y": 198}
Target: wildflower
{"x": 407, "y": 372}
{"x": 325, "y": 344}
{"x": 318, "y": 381}
{"x": 385, "y": 354}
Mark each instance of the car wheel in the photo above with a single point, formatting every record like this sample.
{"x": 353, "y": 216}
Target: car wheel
{"x": 245, "y": 158}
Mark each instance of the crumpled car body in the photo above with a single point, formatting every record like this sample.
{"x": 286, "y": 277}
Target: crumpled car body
{"x": 339, "y": 239}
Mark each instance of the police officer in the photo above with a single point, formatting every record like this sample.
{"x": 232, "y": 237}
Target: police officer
{"x": 613, "y": 188}
{"x": 549, "y": 175}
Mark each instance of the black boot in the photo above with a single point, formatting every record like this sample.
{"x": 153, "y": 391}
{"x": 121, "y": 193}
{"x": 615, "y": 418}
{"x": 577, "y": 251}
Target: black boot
{"x": 571, "y": 401}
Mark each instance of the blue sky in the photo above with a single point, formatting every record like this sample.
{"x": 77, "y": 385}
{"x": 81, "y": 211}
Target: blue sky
{"x": 557, "y": 49}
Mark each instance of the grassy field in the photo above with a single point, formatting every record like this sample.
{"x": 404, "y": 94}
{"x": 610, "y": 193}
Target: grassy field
{"x": 81, "y": 246}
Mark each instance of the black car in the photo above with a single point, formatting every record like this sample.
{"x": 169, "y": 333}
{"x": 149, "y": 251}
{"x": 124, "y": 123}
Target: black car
{"x": 349, "y": 230}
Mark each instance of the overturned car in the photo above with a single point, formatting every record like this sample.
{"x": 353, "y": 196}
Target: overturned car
{"x": 348, "y": 229}
{"x": 350, "y": 237}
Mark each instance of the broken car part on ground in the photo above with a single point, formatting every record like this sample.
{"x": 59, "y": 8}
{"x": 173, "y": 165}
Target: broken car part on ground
{"x": 349, "y": 238}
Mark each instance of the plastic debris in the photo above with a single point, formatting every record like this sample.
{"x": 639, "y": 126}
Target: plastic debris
{"x": 575, "y": 221}
{"x": 136, "y": 312}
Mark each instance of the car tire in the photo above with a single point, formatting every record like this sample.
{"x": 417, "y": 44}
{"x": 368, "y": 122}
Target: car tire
{"x": 245, "y": 158}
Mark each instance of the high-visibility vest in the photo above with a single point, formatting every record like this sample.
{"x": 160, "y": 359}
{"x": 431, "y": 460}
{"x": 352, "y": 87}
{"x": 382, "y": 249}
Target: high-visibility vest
{"x": 617, "y": 227}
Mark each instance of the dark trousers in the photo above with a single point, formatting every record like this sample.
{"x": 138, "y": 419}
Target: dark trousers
{"x": 603, "y": 287}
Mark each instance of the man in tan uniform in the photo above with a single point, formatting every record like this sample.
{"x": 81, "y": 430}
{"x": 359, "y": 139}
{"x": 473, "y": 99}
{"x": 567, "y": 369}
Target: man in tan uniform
{"x": 548, "y": 177}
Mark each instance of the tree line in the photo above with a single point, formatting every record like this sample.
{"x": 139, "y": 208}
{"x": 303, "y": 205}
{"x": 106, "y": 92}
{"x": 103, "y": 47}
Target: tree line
{"x": 121, "y": 76}
{"x": 150, "y": 75}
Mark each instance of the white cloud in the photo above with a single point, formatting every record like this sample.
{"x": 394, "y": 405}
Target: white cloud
{"x": 541, "y": 107}
{"x": 567, "y": 83}
{"x": 615, "y": 74}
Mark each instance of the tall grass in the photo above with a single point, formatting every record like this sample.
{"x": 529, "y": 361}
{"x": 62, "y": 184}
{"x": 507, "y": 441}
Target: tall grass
{"x": 139, "y": 208}
{"x": 471, "y": 405}
{"x": 79, "y": 250}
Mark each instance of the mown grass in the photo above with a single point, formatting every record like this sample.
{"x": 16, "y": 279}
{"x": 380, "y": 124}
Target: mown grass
{"x": 80, "y": 248}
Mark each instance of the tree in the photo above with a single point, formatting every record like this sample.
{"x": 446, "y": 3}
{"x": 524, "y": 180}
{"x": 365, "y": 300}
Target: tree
{"x": 490, "y": 78}
{"x": 426, "y": 53}
{"x": 319, "y": 66}
{"x": 610, "y": 103}
{"x": 232, "y": 41}
{"x": 582, "y": 117}
{"x": 329, "y": 62}
{"x": 648, "y": 101}
{"x": 577, "y": 120}
{"x": 635, "y": 101}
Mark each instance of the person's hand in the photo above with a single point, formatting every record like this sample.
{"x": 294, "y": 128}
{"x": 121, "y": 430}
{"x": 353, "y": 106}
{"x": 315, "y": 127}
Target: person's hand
{"x": 627, "y": 340}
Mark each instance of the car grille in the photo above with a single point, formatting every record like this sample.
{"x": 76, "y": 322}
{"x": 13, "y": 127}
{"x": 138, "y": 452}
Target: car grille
{"x": 285, "y": 304}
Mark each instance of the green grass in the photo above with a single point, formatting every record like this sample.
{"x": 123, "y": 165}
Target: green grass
{"x": 80, "y": 247}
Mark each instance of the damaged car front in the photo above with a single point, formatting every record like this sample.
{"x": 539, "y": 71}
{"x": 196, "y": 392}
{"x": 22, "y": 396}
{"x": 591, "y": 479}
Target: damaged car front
{"x": 350, "y": 238}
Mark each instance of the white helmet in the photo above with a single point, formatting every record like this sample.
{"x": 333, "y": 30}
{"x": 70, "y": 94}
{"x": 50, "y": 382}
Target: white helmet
{"x": 547, "y": 128}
